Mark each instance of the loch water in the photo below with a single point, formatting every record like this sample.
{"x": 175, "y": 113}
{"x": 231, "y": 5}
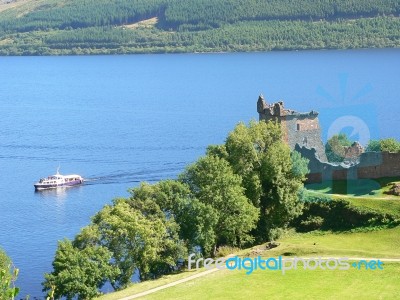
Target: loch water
{"x": 120, "y": 120}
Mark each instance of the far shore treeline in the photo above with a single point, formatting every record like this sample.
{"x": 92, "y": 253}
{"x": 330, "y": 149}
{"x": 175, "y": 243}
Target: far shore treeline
{"x": 51, "y": 27}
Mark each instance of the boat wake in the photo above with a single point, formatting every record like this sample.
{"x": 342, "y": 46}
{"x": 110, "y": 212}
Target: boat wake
{"x": 134, "y": 177}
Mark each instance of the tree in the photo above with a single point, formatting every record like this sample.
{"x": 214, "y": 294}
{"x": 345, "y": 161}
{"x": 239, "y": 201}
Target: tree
{"x": 299, "y": 165}
{"x": 196, "y": 220}
{"x": 335, "y": 148}
{"x": 125, "y": 237}
{"x": 79, "y": 272}
{"x": 212, "y": 182}
{"x": 373, "y": 146}
{"x": 272, "y": 175}
{"x": 149, "y": 201}
{"x": 246, "y": 146}
{"x": 282, "y": 182}
{"x": 8, "y": 276}
{"x": 139, "y": 236}
{"x": 390, "y": 145}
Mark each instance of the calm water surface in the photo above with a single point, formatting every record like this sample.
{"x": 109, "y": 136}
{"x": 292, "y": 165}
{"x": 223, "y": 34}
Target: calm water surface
{"x": 119, "y": 120}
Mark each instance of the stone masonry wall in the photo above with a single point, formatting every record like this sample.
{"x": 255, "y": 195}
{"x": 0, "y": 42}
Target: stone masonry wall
{"x": 305, "y": 131}
{"x": 386, "y": 165}
{"x": 297, "y": 128}
{"x": 371, "y": 165}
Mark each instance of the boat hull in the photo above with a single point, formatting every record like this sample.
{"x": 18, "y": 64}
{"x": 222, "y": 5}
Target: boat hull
{"x": 45, "y": 186}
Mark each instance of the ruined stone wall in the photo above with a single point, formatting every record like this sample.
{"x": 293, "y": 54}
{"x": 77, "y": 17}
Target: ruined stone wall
{"x": 304, "y": 130}
{"x": 297, "y": 128}
{"x": 307, "y": 123}
{"x": 321, "y": 170}
{"x": 378, "y": 165}
{"x": 371, "y": 165}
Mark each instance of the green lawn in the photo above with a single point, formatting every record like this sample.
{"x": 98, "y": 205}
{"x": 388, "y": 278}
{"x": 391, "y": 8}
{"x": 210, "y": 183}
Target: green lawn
{"x": 378, "y": 243}
{"x": 300, "y": 284}
{"x": 306, "y": 284}
{"x": 146, "y": 285}
{"x": 359, "y": 188}
{"x": 382, "y": 205}
{"x": 363, "y": 192}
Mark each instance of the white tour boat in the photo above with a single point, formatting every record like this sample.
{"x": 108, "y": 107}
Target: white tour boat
{"x": 58, "y": 180}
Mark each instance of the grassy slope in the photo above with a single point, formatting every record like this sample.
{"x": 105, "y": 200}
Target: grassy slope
{"x": 363, "y": 193}
{"x": 22, "y": 7}
{"x": 237, "y": 285}
{"x": 318, "y": 284}
{"x": 147, "y": 285}
{"x": 363, "y": 187}
{"x": 380, "y": 243}
{"x": 4, "y": 5}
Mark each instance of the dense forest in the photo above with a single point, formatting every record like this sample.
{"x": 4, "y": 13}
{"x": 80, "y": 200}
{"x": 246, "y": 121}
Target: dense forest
{"x": 155, "y": 26}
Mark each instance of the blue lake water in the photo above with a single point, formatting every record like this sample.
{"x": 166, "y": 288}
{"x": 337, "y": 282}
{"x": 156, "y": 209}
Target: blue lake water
{"x": 119, "y": 120}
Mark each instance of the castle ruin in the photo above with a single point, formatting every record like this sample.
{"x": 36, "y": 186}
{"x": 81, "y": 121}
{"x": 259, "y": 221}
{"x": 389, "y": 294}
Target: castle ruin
{"x": 298, "y": 128}
{"x": 302, "y": 132}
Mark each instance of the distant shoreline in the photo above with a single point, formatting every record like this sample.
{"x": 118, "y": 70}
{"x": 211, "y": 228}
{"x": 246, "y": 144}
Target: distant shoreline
{"x": 204, "y": 52}
{"x": 99, "y": 27}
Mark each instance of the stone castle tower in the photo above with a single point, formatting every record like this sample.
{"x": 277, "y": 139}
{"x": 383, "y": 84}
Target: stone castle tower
{"x": 298, "y": 128}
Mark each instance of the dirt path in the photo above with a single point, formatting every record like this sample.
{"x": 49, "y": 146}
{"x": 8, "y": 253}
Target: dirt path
{"x": 170, "y": 284}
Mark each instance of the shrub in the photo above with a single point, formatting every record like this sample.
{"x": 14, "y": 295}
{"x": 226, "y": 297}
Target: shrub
{"x": 331, "y": 214}
{"x": 311, "y": 223}
{"x": 226, "y": 250}
{"x": 8, "y": 276}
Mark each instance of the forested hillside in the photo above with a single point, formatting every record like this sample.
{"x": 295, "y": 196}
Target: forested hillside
{"x": 40, "y": 27}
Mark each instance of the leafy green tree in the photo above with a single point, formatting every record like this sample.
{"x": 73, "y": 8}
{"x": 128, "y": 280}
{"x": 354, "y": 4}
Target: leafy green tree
{"x": 299, "y": 165}
{"x": 132, "y": 238}
{"x": 335, "y": 148}
{"x": 246, "y": 146}
{"x": 170, "y": 247}
{"x": 131, "y": 235}
{"x": 79, "y": 272}
{"x": 282, "y": 182}
{"x": 139, "y": 236}
{"x": 218, "y": 150}
{"x": 390, "y": 145}
{"x": 196, "y": 220}
{"x": 212, "y": 181}
{"x": 272, "y": 175}
{"x": 8, "y": 276}
{"x": 373, "y": 146}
